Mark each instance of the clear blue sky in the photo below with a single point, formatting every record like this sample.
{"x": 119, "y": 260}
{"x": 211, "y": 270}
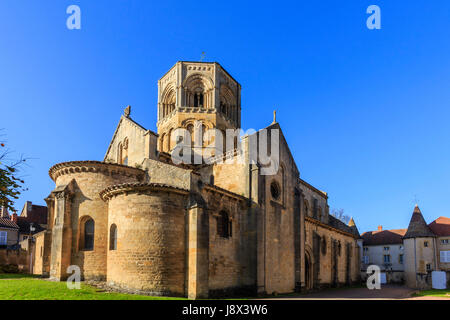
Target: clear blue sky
{"x": 366, "y": 112}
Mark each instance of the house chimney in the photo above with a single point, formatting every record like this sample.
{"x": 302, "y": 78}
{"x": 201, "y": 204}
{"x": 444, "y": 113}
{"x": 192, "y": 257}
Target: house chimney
{"x": 380, "y": 228}
{"x": 4, "y": 212}
{"x": 14, "y": 217}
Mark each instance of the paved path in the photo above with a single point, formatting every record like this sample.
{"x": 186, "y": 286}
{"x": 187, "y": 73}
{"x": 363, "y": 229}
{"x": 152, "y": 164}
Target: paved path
{"x": 386, "y": 292}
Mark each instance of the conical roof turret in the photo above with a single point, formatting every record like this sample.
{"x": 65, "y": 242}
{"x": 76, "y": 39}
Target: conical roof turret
{"x": 417, "y": 226}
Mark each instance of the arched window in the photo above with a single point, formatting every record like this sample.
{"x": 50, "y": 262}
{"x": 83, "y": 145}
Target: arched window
{"x": 307, "y": 211}
{"x": 119, "y": 153}
{"x": 162, "y": 142}
{"x": 198, "y": 100}
{"x": 224, "y": 226}
{"x": 223, "y": 107}
{"x": 275, "y": 190}
{"x": 204, "y": 136}
{"x": 87, "y": 234}
{"x": 190, "y": 130}
{"x": 168, "y": 101}
{"x": 170, "y": 142}
{"x": 323, "y": 245}
{"x": 113, "y": 237}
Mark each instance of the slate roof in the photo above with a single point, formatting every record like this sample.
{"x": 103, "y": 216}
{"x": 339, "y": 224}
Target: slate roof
{"x": 417, "y": 226}
{"x": 7, "y": 223}
{"x": 373, "y": 238}
{"x": 338, "y": 224}
{"x": 440, "y": 226}
{"x": 24, "y": 226}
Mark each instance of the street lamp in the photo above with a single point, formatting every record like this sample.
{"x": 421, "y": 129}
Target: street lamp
{"x": 30, "y": 243}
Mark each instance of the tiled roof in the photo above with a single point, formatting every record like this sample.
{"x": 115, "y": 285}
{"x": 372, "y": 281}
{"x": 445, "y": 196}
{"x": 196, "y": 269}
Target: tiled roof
{"x": 37, "y": 214}
{"x": 7, "y": 223}
{"x": 440, "y": 226}
{"x": 417, "y": 226}
{"x": 373, "y": 238}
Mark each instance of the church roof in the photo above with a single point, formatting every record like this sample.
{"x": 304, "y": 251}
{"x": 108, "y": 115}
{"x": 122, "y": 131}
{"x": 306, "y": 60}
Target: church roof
{"x": 353, "y": 226}
{"x": 276, "y": 125}
{"x": 126, "y": 117}
{"x": 440, "y": 226}
{"x": 417, "y": 226}
{"x": 338, "y": 224}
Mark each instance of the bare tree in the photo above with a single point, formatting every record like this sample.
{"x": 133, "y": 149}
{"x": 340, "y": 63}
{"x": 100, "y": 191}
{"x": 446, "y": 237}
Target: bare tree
{"x": 339, "y": 214}
{"x": 11, "y": 183}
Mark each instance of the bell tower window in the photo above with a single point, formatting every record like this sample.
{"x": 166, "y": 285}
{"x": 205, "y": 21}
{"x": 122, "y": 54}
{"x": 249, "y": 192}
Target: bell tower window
{"x": 198, "y": 100}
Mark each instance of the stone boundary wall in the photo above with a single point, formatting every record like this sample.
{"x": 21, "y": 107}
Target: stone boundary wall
{"x": 19, "y": 258}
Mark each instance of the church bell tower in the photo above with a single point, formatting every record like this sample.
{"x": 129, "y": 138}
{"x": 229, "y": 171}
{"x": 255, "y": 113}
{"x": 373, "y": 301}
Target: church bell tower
{"x": 196, "y": 95}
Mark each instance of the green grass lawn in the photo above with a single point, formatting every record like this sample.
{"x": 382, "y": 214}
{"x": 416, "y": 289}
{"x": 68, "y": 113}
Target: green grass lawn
{"x": 27, "y": 287}
{"x": 433, "y": 293}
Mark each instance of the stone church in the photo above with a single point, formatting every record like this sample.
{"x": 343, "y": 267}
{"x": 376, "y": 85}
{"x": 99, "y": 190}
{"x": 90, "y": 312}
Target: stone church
{"x": 145, "y": 223}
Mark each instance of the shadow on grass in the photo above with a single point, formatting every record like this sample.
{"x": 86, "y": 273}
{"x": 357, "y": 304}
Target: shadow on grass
{"x": 30, "y": 287}
{"x": 18, "y": 276}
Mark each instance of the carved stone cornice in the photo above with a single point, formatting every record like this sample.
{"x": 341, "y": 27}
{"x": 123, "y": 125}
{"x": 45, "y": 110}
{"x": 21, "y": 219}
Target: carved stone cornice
{"x": 143, "y": 188}
{"x": 94, "y": 167}
{"x": 223, "y": 192}
{"x": 50, "y": 199}
{"x": 63, "y": 195}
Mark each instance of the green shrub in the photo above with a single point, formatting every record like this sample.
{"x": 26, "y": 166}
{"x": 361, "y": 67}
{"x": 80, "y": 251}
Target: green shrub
{"x": 9, "y": 268}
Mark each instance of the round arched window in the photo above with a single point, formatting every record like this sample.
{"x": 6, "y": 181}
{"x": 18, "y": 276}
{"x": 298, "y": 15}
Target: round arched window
{"x": 275, "y": 190}
{"x": 113, "y": 237}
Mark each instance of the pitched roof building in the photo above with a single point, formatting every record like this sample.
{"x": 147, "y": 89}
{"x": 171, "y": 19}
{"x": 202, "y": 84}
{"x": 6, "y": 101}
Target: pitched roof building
{"x": 440, "y": 227}
{"x": 8, "y": 233}
{"x": 383, "y": 237}
{"x": 34, "y": 213}
{"x": 411, "y": 254}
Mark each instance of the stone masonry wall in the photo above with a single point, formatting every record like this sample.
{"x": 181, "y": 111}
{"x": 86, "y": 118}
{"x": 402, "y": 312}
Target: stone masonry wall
{"x": 38, "y": 255}
{"x": 230, "y": 270}
{"x": 87, "y": 202}
{"x": 150, "y": 255}
{"x": 20, "y": 258}
{"x": 326, "y": 255}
